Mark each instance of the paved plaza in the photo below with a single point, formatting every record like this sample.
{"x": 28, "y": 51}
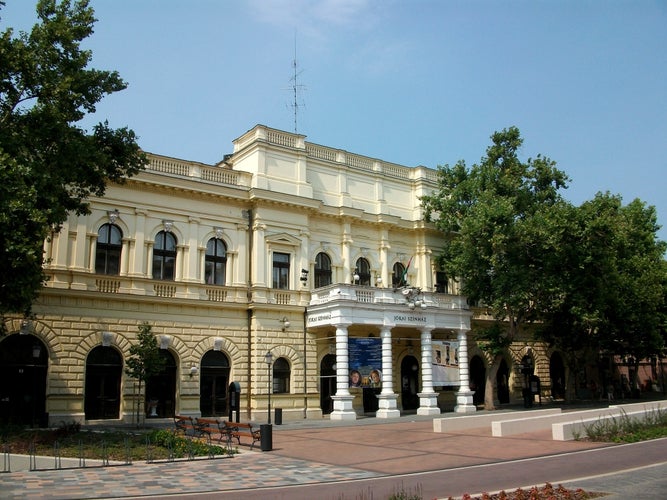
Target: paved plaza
{"x": 338, "y": 461}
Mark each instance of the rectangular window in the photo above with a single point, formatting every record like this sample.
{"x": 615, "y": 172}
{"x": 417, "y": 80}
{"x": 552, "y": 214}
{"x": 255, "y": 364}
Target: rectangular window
{"x": 441, "y": 282}
{"x": 281, "y": 270}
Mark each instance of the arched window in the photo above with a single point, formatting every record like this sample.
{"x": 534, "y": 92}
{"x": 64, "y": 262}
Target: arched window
{"x": 216, "y": 262}
{"x": 397, "y": 274}
{"x": 322, "y": 270}
{"x": 363, "y": 269}
{"x": 281, "y": 376}
{"x": 109, "y": 245}
{"x": 164, "y": 256}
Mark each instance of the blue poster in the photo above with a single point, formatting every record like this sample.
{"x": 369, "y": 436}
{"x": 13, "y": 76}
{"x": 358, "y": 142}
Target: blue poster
{"x": 365, "y": 359}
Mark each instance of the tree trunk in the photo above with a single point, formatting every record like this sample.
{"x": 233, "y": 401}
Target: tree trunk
{"x": 138, "y": 400}
{"x": 490, "y": 389}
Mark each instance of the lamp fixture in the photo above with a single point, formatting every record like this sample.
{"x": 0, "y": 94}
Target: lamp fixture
{"x": 304, "y": 277}
{"x": 286, "y": 325}
{"x": 194, "y": 369}
{"x": 113, "y": 215}
{"x": 355, "y": 277}
{"x": 36, "y": 351}
{"x": 26, "y": 327}
{"x": 413, "y": 297}
{"x": 268, "y": 359}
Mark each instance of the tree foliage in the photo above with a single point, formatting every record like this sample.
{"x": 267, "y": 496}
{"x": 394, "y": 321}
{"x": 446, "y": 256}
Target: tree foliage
{"x": 501, "y": 215}
{"x": 145, "y": 360}
{"x": 50, "y": 165}
{"x": 613, "y": 282}
{"x": 592, "y": 277}
{"x": 500, "y": 212}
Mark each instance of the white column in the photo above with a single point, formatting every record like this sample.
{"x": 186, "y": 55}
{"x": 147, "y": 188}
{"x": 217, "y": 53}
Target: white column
{"x": 83, "y": 253}
{"x": 125, "y": 256}
{"x": 190, "y": 257}
{"x": 238, "y": 267}
{"x": 387, "y": 407}
{"x": 91, "y": 246}
{"x": 348, "y": 268}
{"x": 139, "y": 265}
{"x": 259, "y": 277}
{"x": 428, "y": 398}
{"x": 464, "y": 403}
{"x": 343, "y": 409}
{"x": 384, "y": 259}
{"x": 180, "y": 263}
{"x": 149, "y": 258}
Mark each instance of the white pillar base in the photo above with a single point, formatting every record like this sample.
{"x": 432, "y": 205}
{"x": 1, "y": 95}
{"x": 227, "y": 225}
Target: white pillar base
{"x": 464, "y": 402}
{"x": 343, "y": 409}
{"x": 387, "y": 407}
{"x": 428, "y": 403}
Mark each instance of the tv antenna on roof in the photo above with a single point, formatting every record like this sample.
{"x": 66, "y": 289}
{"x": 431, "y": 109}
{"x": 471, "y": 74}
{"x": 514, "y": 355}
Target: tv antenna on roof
{"x": 295, "y": 88}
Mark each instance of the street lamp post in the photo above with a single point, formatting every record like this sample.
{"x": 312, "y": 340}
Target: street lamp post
{"x": 268, "y": 359}
{"x": 266, "y": 430}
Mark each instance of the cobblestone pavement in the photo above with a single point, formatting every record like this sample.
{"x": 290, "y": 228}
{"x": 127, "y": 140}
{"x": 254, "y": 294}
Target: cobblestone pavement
{"x": 168, "y": 478}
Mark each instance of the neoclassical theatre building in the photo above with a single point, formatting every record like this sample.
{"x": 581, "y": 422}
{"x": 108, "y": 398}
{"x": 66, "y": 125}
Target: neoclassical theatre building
{"x": 289, "y": 274}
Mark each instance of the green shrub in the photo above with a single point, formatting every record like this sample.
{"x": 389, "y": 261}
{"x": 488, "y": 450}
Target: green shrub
{"x": 623, "y": 429}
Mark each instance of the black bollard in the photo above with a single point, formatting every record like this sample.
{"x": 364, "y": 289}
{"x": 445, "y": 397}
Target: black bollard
{"x": 266, "y": 437}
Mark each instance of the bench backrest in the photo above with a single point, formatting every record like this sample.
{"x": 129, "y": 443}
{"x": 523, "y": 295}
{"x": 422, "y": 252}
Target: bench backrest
{"x": 208, "y": 421}
{"x": 237, "y": 425}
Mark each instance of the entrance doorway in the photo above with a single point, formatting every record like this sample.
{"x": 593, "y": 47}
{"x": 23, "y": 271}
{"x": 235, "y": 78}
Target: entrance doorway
{"x": 23, "y": 367}
{"x": 327, "y": 383}
{"x": 161, "y": 389}
{"x": 557, "y": 375}
{"x": 502, "y": 383}
{"x": 410, "y": 383}
{"x": 104, "y": 368}
{"x": 477, "y": 380}
{"x": 214, "y": 382}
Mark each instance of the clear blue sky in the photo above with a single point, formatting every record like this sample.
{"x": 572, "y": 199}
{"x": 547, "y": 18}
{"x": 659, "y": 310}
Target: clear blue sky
{"x": 421, "y": 82}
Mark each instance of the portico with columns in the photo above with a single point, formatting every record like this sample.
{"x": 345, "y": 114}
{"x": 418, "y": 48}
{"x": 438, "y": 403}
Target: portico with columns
{"x": 342, "y": 311}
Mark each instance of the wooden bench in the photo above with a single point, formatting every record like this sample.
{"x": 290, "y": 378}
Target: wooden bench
{"x": 238, "y": 430}
{"x": 209, "y": 427}
{"x": 185, "y": 424}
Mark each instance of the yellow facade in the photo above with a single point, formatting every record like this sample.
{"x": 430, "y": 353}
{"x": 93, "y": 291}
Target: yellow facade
{"x": 276, "y": 197}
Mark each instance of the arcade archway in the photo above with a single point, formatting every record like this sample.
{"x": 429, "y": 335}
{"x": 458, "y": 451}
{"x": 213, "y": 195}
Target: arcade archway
{"x": 410, "y": 382}
{"x": 23, "y": 369}
{"x": 214, "y": 381}
{"x": 104, "y": 368}
{"x": 327, "y": 383}
{"x": 161, "y": 389}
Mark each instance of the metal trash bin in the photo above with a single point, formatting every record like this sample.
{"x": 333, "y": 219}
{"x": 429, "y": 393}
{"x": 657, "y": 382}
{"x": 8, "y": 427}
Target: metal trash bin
{"x": 266, "y": 437}
{"x": 278, "y": 418}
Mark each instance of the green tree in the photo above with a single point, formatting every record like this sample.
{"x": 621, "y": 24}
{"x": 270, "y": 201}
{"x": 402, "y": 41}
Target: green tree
{"x": 573, "y": 321}
{"x": 502, "y": 215}
{"x": 612, "y": 290}
{"x": 633, "y": 316}
{"x": 49, "y": 165}
{"x": 145, "y": 360}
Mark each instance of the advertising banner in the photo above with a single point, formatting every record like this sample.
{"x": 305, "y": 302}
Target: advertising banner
{"x": 445, "y": 363}
{"x": 365, "y": 360}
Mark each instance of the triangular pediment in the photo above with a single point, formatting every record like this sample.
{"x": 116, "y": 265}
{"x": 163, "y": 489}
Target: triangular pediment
{"x": 283, "y": 239}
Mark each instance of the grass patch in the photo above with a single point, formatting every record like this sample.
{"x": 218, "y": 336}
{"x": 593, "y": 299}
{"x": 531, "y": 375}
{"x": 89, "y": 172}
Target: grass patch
{"x": 120, "y": 445}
